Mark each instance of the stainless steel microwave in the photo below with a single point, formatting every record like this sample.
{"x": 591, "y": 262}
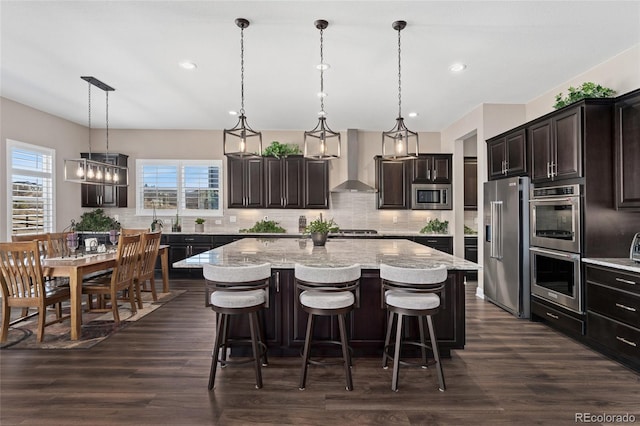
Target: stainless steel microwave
{"x": 431, "y": 196}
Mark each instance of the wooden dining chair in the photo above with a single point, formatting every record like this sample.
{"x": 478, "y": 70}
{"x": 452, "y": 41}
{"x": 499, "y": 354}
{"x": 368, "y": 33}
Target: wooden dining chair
{"x": 147, "y": 265}
{"x": 120, "y": 279}
{"x": 23, "y": 286}
{"x": 57, "y": 244}
{"x": 133, "y": 231}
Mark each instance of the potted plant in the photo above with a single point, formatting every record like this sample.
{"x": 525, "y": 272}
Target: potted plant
{"x": 280, "y": 150}
{"x": 319, "y": 229}
{"x": 587, "y": 90}
{"x": 199, "y": 224}
{"x": 435, "y": 226}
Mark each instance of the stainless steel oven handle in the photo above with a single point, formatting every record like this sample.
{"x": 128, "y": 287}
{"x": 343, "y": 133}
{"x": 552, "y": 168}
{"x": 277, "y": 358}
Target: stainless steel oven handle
{"x": 550, "y": 200}
{"x": 571, "y": 256}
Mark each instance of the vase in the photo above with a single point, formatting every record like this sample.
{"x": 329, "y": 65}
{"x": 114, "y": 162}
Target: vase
{"x": 319, "y": 238}
{"x": 199, "y": 227}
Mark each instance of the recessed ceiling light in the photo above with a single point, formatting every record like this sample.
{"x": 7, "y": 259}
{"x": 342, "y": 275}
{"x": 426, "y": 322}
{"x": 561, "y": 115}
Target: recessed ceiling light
{"x": 233, "y": 112}
{"x": 323, "y": 66}
{"x": 413, "y": 114}
{"x": 188, "y": 65}
{"x": 457, "y": 67}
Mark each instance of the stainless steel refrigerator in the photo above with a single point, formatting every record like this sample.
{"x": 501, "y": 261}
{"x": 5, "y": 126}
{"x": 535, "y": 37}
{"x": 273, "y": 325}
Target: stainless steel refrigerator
{"x": 506, "y": 244}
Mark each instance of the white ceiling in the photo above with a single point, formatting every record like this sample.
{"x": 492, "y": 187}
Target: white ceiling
{"x": 515, "y": 51}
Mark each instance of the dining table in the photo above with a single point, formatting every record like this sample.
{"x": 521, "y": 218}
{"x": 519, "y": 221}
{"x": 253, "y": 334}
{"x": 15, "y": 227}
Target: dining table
{"x": 76, "y": 268}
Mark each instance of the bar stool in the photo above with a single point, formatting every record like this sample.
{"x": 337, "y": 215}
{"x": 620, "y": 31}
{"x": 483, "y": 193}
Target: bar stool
{"x": 412, "y": 292}
{"x": 237, "y": 290}
{"x": 327, "y": 291}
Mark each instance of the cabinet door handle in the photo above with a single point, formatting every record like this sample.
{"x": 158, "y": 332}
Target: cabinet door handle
{"x": 504, "y": 171}
{"x": 628, "y": 308}
{"x": 429, "y": 174}
{"x": 435, "y": 174}
{"x": 628, "y": 342}
{"x": 555, "y": 317}
{"x": 554, "y": 169}
{"x": 625, "y": 281}
{"x": 548, "y": 170}
{"x": 506, "y": 167}
{"x": 277, "y": 282}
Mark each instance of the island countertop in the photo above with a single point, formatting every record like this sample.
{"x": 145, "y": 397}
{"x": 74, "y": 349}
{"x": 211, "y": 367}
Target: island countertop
{"x": 284, "y": 253}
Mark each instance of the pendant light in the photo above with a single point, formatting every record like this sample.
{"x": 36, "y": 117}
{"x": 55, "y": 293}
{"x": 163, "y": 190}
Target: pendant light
{"x": 88, "y": 170}
{"x": 242, "y": 141}
{"x": 400, "y": 143}
{"x": 322, "y": 142}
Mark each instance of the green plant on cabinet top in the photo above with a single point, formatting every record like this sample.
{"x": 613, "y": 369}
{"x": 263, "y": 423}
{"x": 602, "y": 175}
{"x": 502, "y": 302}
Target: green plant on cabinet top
{"x": 435, "y": 226}
{"x": 587, "y": 90}
{"x": 266, "y": 226}
{"x": 279, "y": 150}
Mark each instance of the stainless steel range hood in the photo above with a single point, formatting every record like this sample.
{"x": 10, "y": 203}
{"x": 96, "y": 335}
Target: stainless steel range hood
{"x": 352, "y": 184}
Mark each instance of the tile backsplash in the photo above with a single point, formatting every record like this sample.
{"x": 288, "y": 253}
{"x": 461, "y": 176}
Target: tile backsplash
{"x": 349, "y": 210}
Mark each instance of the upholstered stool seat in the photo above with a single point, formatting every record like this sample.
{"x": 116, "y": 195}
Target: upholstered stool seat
{"x": 412, "y": 292}
{"x": 236, "y": 290}
{"x": 327, "y": 291}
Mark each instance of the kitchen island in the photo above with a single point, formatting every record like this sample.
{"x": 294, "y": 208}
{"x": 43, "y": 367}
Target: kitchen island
{"x": 285, "y": 322}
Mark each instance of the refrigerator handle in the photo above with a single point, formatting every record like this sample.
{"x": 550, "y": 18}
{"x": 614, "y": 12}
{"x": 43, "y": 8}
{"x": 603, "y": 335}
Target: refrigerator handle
{"x": 496, "y": 225}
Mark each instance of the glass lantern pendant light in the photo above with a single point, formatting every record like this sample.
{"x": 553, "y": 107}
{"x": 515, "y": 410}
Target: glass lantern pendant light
{"x": 400, "y": 143}
{"x": 322, "y": 142}
{"x": 87, "y": 170}
{"x": 242, "y": 141}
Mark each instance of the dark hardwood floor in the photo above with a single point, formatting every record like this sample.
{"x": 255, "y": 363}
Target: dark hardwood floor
{"x": 156, "y": 371}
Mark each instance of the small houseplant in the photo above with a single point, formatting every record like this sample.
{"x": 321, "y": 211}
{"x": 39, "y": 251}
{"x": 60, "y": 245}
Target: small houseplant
{"x": 435, "y": 226}
{"x": 278, "y": 150}
{"x": 96, "y": 221}
{"x": 587, "y": 90}
{"x": 266, "y": 227}
{"x": 199, "y": 227}
{"x": 319, "y": 229}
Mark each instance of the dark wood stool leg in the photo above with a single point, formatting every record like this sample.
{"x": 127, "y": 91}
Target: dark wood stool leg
{"x": 254, "y": 327}
{"x": 345, "y": 351}
{"x": 436, "y": 352}
{"x": 225, "y": 338}
{"x": 396, "y": 356}
{"x": 423, "y": 341}
{"x": 387, "y": 339}
{"x": 216, "y": 350}
{"x": 261, "y": 321}
{"x": 305, "y": 353}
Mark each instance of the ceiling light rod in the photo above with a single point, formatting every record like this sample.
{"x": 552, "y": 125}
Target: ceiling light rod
{"x": 400, "y": 143}
{"x": 242, "y": 141}
{"x": 87, "y": 170}
{"x": 322, "y": 142}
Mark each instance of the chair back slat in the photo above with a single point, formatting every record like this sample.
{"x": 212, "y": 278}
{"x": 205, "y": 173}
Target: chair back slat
{"x": 148, "y": 254}
{"x": 126, "y": 260}
{"x": 57, "y": 245}
{"x": 21, "y": 272}
{"x": 133, "y": 231}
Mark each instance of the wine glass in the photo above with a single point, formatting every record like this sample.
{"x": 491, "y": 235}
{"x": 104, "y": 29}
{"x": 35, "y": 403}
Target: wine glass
{"x": 72, "y": 243}
{"x": 113, "y": 237}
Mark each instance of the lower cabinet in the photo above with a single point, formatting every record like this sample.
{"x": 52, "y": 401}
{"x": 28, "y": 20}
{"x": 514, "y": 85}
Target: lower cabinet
{"x": 285, "y": 321}
{"x": 471, "y": 254}
{"x": 558, "y": 318}
{"x": 444, "y": 244}
{"x": 613, "y": 313}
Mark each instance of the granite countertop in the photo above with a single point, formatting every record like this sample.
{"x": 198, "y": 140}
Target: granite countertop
{"x": 286, "y": 252}
{"x": 614, "y": 262}
{"x": 298, "y": 235}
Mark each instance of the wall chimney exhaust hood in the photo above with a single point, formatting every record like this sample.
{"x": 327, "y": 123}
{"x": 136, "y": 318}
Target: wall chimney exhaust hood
{"x": 352, "y": 184}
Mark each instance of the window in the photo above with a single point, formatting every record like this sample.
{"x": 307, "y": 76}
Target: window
{"x": 190, "y": 187}
{"x": 30, "y": 178}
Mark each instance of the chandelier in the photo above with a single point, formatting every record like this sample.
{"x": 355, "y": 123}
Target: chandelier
{"x": 88, "y": 170}
{"x": 399, "y": 143}
{"x": 322, "y": 142}
{"x": 242, "y": 141}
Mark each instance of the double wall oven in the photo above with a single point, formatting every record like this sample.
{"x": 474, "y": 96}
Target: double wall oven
{"x": 555, "y": 238}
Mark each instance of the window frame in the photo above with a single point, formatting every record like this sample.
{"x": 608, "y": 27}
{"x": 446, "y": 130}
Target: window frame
{"x": 180, "y": 165}
{"x": 11, "y": 170}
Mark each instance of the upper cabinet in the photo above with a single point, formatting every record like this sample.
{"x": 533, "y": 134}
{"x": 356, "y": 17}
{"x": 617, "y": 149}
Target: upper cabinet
{"x": 284, "y": 183}
{"x": 507, "y": 155}
{"x": 556, "y": 146}
{"x": 392, "y": 183}
{"x": 435, "y": 168}
{"x": 245, "y": 177}
{"x": 316, "y": 182}
{"x": 627, "y": 151}
{"x": 105, "y": 195}
{"x": 470, "y": 183}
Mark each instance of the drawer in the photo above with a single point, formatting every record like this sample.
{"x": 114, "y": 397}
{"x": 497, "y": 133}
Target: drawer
{"x": 616, "y": 304}
{"x": 557, "y": 318}
{"x": 189, "y": 239}
{"x": 619, "y": 338}
{"x": 614, "y": 278}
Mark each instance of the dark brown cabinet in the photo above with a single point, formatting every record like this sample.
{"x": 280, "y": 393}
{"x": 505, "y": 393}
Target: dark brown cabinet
{"x": 627, "y": 151}
{"x": 471, "y": 254}
{"x": 316, "y": 184}
{"x": 470, "y": 183}
{"x": 245, "y": 178}
{"x": 444, "y": 244}
{"x": 556, "y": 146}
{"x": 104, "y": 195}
{"x": 433, "y": 168}
{"x": 613, "y": 313}
{"x": 284, "y": 182}
{"x": 507, "y": 155}
{"x": 392, "y": 183}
